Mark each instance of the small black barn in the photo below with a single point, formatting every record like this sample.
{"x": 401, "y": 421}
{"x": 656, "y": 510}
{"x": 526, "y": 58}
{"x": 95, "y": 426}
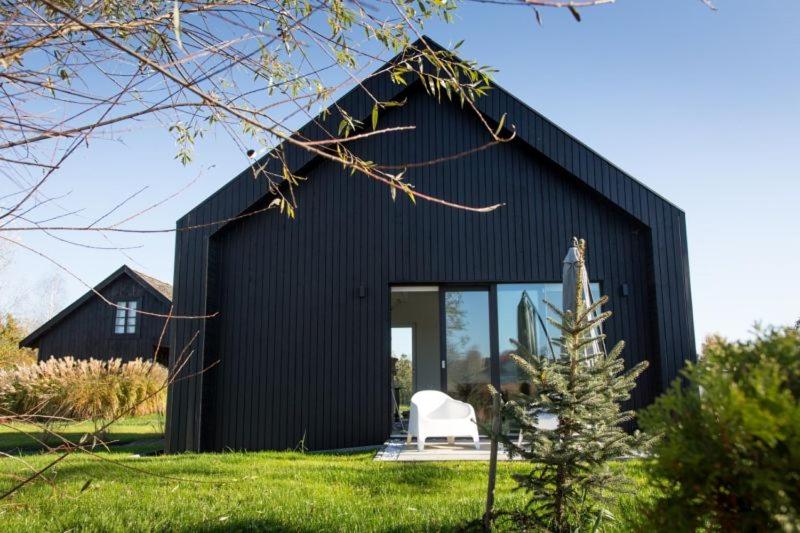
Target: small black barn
{"x": 310, "y": 311}
{"x": 93, "y": 328}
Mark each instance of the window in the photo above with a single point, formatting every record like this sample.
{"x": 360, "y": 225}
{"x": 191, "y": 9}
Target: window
{"x": 467, "y": 335}
{"x": 523, "y": 315}
{"x": 125, "y": 320}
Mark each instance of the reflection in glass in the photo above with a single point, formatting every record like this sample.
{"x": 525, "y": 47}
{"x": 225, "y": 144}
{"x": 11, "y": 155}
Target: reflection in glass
{"x": 523, "y": 316}
{"x": 402, "y": 365}
{"x": 468, "y": 353}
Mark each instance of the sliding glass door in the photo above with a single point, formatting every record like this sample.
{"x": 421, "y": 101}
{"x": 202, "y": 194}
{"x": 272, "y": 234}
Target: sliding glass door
{"x": 468, "y": 348}
{"x": 462, "y": 338}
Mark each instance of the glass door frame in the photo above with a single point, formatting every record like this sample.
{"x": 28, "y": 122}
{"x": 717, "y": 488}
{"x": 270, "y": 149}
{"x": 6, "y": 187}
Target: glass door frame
{"x": 494, "y": 341}
{"x": 494, "y": 344}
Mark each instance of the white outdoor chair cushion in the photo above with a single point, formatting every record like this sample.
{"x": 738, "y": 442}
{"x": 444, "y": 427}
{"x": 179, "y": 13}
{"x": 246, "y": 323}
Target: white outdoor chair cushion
{"x": 435, "y": 414}
{"x": 451, "y": 409}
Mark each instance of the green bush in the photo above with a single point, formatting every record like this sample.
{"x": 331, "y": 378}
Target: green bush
{"x": 729, "y": 458}
{"x": 83, "y": 389}
{"x": 11, "y": 333}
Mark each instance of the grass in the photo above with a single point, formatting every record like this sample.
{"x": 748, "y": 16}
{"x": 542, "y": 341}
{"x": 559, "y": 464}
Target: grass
{"x": 267, "y": 491}
{"x": 26, "y": 437}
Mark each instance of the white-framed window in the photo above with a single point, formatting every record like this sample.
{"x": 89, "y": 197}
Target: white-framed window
{"x": 125, "y": 319}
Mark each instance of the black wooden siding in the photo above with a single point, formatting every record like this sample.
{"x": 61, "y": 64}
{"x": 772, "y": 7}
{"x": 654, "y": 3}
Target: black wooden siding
{"x": 88, "y": 331}
{"x": 301, "y": 356}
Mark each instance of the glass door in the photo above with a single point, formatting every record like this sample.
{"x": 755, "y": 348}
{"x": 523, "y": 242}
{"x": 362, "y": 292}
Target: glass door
{"x": 468, "y": 348}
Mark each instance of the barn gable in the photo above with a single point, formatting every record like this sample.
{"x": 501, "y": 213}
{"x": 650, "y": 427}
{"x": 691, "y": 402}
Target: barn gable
{"x": 544, "y": 168}
{"x": 85, "y": 327}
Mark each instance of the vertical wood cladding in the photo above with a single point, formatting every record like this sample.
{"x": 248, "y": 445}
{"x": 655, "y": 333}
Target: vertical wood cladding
{"x": 88, "y": 330}
{"x": 299, "y": 349}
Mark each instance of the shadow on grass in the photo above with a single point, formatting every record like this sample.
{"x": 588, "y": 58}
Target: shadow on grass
{"x": 322, "y": 472}
{"x": 25, "y": 444}
{"x": 254, "y": 524}
{"x": 267, "y": 525}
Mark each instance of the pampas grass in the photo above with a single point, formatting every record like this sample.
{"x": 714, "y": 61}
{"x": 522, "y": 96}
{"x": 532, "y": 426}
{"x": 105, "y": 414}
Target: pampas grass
{"x": 72, "y": 389}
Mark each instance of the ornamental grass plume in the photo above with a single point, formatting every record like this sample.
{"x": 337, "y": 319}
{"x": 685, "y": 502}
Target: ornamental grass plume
{"x": 76, "y": 389}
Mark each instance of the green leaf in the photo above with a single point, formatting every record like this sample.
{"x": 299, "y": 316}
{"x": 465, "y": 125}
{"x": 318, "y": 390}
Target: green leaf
{"x": 393, "y": 103}
{"x": 500, "y": 125}
{"x": 375, "y": 116}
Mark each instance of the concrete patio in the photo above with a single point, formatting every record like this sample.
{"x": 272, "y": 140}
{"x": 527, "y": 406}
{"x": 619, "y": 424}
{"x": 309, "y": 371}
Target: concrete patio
{"x": 396, "y": 449}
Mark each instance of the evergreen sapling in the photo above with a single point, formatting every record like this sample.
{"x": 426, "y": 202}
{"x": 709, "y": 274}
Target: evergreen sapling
{"x": 582, "y": 386}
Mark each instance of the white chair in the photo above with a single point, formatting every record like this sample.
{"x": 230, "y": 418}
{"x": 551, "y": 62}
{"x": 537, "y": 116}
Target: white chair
{"x": 435, "y": 414}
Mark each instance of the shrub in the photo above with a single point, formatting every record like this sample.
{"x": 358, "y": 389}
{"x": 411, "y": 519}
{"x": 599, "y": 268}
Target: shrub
{"x": 83, "y": 389}
{"x": 730, "y": 454}
{"x": 11, "y": 332}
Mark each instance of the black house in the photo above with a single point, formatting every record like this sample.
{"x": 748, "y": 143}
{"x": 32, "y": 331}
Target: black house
{"x": 308, "y": 310}
{"x": 115, "y": 325}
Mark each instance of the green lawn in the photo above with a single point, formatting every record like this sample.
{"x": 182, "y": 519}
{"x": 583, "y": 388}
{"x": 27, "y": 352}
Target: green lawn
{"x": 263, "y": 491}
{"x": 125, "y": 430}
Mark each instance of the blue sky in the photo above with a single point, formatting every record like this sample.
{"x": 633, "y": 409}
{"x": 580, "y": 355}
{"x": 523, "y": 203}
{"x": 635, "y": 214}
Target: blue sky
{"x": 702, "y": 107}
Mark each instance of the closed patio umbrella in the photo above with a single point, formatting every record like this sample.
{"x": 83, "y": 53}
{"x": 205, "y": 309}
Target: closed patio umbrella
{"x": 570, "y": 273}
{"x": 527, "y": 319}
{"x": 526, "y": 323}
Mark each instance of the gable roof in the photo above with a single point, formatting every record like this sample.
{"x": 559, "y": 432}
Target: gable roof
{"x": 242, "y": 193}
{"x": 161, "y": 290}
{"x": 161, "y": 286}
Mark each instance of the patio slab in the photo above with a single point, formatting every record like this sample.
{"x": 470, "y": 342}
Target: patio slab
{"x": 396, "y": 449}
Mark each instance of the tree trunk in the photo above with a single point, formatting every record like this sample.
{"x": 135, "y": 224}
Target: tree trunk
{"x": 488, "y": 515}
{"x": 558, "y": 509}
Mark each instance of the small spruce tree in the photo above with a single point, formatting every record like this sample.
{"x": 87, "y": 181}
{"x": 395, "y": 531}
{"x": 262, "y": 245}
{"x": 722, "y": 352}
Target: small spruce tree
{"x": 582, "y": 386}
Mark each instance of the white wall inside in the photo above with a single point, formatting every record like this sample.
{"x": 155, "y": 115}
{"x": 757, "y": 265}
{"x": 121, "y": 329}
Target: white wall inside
{"x": 419, "y": 309}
